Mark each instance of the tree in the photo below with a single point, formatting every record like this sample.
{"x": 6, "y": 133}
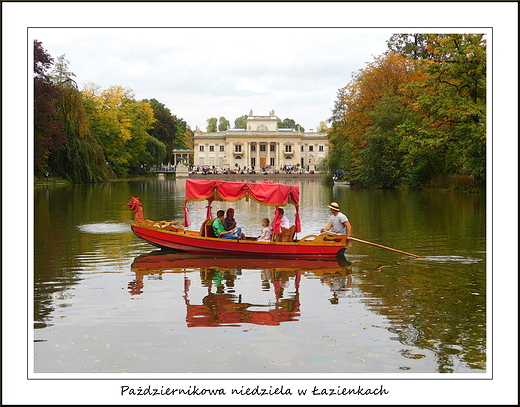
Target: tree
{"x": 157, "y": 150}
{"x": 164, "y": 129}
{"x": 289, "y": 124}
{"x": 223, "y": 124}
{"x": 409, "y": 45}
{"x": 364, "y": 119}
{"x": 48, "y": 130}
{"x": 120, "y": 124}
{"x": 322, "y": 127}
{"x": 448, "y": 128}
{"x": 241, "y": 122}
{"x": 212, "y": 124}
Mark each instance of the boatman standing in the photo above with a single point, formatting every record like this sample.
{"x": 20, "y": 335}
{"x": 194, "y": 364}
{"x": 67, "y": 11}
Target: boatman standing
{"x": 338, "y": 222}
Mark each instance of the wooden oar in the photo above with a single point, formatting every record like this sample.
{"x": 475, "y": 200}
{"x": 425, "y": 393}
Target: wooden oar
{"x": 384, "y": 247}
{"x": 378, "y": 245}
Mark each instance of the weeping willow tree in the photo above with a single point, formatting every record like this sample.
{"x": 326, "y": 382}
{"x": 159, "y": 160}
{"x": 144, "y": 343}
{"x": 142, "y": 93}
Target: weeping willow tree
{"x": 82, "y": 158}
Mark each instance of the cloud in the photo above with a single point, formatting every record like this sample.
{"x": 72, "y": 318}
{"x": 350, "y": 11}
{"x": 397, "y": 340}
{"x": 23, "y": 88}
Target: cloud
{"x": 211, "y": 72}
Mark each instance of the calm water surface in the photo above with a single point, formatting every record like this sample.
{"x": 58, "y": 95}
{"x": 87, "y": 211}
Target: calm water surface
{"x": 108, "y": 302}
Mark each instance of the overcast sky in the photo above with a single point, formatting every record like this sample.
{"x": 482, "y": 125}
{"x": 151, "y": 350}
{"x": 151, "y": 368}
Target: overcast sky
{"x": 200, "y": 73}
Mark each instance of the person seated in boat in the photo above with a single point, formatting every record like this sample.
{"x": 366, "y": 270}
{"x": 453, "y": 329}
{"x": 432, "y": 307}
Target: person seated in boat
{"x": 230, "y": 222}
{"x": 284, "y": 221}
{"x": 221, "y": 232}
{"x": 338, "y": 222}
{"x": 267, "y": 231}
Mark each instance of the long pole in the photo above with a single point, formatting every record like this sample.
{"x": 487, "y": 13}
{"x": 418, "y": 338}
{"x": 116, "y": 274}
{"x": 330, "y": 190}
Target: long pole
{"x": 384, "y": 247}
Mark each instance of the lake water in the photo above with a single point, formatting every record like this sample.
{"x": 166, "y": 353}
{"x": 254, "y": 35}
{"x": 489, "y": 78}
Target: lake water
{"x": 106, "y": 302}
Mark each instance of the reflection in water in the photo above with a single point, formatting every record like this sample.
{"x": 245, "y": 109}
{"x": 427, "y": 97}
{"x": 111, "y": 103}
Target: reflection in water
{"x": 221, "y": 306}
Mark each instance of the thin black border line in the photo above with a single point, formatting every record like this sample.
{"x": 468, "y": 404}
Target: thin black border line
{"x": 276, "y": 378}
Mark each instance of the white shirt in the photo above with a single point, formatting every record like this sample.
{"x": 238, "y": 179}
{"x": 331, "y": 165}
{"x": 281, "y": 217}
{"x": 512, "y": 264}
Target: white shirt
{"x": 284, "y": 223}
{"x": 338, "y": 223}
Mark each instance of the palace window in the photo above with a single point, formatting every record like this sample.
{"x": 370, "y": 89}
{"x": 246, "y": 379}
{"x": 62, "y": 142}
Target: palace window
{"x": 320, "y": 148}
{"x": 201, "y": 148}
{"x": 311, "y": 148}
{"x": 253, "y": 147}
{"x": 272, "y": 148}
{"x": 211, "y": 148}
{"x": 271, "y": 161}
{"x": 288, "y": 148}
{"x": 238, "y": 148}
{"x": 302, "y": 148}
{"x": 222, "y": 149}
{"x": 262, "y": 147}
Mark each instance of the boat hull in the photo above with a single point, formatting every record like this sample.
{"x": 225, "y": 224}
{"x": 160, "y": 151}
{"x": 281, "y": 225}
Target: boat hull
{"x": 310, "y": 247}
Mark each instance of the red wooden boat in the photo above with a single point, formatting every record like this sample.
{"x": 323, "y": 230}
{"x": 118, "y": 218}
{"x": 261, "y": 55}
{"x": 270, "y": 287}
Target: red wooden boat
{"x": 283, "y": 244}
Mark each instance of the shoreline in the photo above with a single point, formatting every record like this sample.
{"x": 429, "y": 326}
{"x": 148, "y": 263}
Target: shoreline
{"x": 260, "y": 176}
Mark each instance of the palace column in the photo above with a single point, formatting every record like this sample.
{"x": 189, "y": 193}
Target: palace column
{"x": 268, "y": 160}
{"x": 247, "y": 153}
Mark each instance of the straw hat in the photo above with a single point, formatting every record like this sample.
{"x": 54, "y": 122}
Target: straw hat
{"x": 334, "y": 206}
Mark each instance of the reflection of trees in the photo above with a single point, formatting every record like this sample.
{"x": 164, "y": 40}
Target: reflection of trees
{"x": 444, "y": 311}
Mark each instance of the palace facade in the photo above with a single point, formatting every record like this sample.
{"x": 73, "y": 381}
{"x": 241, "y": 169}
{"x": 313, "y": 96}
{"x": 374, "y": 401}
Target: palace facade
{"x": 262, "y": 144}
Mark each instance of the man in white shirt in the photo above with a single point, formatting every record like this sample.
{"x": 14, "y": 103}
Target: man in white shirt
{"x": 284, "y": 221}
{"x": 338, "y": 222}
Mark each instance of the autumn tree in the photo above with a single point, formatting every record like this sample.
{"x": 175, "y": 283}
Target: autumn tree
{"x": 364, "y": 119}
{"x": 48, "y": 130}
{"x": 120, "y": 123}
{"x": 416, "y": 116}
{"x": 446, "y": 134}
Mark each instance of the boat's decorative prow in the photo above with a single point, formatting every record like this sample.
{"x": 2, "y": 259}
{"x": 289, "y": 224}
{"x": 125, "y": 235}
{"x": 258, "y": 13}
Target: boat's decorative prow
{"x": 136, "y": 205}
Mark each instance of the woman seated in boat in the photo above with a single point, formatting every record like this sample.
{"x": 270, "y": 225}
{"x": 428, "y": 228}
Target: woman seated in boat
{"x": 267, "y": 231}
{"x": 221, "y": 232}
{"x": 229, "y": 221}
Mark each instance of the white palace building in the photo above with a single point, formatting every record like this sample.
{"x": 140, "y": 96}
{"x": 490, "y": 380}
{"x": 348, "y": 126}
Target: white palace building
{"x": 262, "y": 144}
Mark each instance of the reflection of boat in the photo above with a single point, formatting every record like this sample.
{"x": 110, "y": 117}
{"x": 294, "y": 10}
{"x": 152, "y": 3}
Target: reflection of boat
{"x": 178, "y": 261}
{"x": 283, "y": 244}
{"x": 219, "y": 274}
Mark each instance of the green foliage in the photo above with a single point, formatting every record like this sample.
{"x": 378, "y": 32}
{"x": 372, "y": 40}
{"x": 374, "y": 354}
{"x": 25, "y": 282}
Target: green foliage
{"x": 380, "y": 161}
{"x": 241, "y": 122}
{"x": 82, "y": 159}
{"x": 223, "y": 124}
{"x": 410, "y": 45}
{"x": 289, "y": 124}
{"x": 165, "y": 129}
{"x": 409, "y": 123}
{"x": 156, "y": 149}
{"x": 212, "y": 124}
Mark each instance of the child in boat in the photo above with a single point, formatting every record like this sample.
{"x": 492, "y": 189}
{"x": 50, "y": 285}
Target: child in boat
{"x": 221, "y": 232}
{"x": 266, "y": 231}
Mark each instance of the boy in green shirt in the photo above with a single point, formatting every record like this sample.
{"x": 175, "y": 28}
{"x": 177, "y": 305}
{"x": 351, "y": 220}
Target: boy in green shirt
{"x": 221, "y": 232}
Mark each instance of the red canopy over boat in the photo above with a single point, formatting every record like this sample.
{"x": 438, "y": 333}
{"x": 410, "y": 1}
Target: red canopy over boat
{"x": 265, "y": 193}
